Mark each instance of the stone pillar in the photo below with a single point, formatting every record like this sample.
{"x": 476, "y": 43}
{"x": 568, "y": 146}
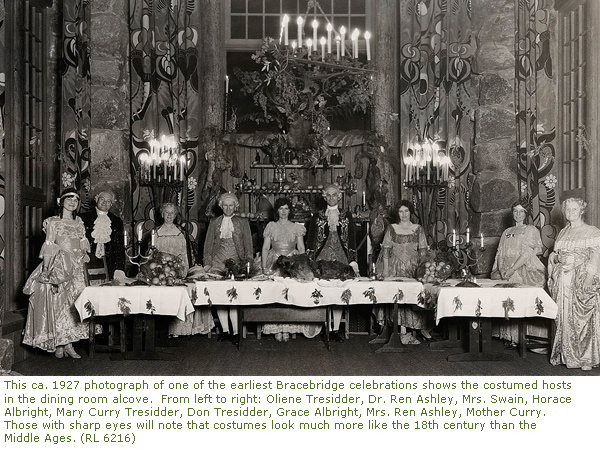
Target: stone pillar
{"x": 386, "y": 43}
{"x": 109, "y": 143}
{"x": 494, "y": 186}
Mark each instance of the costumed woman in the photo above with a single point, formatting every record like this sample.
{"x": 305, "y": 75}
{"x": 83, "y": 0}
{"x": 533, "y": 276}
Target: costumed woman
{"x": 401, "y": 248}
{"x": 171, "y": 238}
{"x": 517, "y": 261}
{"x": 228, "y": 238}
{"x": 574, "y": 268}
{"x": 53, "y": 323}
{"x": 284, "y": 237}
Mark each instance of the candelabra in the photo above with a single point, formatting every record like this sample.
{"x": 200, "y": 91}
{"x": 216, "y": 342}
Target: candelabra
{"x": 466, "y": 254}
{"x": 133, "y": 251}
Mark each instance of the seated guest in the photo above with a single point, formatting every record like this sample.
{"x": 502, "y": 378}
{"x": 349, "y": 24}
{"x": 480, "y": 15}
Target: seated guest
{"x": 284, "y": 237}
{"x": 332, "y": 237}
{"x": 574, "y": 268}
{"x": 171, "y": 238}
{"x": 104, "y": 231}
{"x": 517, "y": 261}
{"x": 228, "y": 238}
{"x": 403, "y": 243}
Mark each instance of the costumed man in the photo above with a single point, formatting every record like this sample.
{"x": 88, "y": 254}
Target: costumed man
{"x": 332, "y": 237}
{"x": 104, "y": 230}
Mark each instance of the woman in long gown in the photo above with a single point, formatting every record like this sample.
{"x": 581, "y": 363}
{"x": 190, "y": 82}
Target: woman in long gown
{"x": 401, "y": 248}
{"x": 517, "y": 261}
{"x": 53, "y": 323}
{"x": 574, "y": 268}
{"x": 284, "y": 237}
{"x": 228, "y": 237}
{"x": 170, "y": 238}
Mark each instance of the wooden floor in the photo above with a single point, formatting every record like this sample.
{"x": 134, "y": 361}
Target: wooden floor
{"x": 198, "y": 355}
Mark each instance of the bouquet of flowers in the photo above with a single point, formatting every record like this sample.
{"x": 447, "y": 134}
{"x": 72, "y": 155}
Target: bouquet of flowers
{"x": 162, "y": 269}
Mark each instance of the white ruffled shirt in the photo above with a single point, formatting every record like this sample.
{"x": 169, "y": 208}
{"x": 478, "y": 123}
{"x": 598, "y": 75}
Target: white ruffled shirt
{"x": 226, "y": 228}
{"x": 101, "y": 233}
{"x": 333, "y": 216}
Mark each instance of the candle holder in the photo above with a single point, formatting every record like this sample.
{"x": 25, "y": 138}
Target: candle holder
{"x": 466, "y": 255}
{"x": 134, "y": 254}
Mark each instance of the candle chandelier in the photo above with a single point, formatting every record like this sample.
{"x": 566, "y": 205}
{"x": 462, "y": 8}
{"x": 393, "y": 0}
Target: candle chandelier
{"x": 319, "y": 44}
{"x": 426, "y": 164}
{"x": 164, "y": 164}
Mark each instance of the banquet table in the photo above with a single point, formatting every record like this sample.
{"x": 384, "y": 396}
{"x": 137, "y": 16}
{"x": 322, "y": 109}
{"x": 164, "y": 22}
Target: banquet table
{"x": 480, "y": 304}
{"x": 144, "y": 303}
{"x": 300, "y": 297}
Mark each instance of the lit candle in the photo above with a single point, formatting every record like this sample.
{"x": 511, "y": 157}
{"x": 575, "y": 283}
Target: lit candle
{"x": 300, "y": 22}
{"x": 153, "y": 238}
{"x": 468, "y": 235}
{"x": 364, "y": 199}
{"x": 125, "y": 237}
{"x": 354, "y": 38}
{"x": 329, "y": 29}
{"x": 323, "y": 41}
{"x": 343, "y": 37}
{"x": 139, "y": 231}
{"x": 181, "y": 167}
{"x": 286, "y": 19}
{"x": 481, "y": 243}
{"x": 226, "y": 84}
{"x": 315, "y": 25}
{"x": 453, "y": 238}
{"x": 337, "y": 46}
{"x": 294, "y": 46}
{"x": 309, "y": 46}
{"x": 367, "y": 37}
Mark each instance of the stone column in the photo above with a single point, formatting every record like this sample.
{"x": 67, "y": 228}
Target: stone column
{"x": 110, "y": 109}
{"x": 386, "y": 43}
{"x": 494, "y": 186}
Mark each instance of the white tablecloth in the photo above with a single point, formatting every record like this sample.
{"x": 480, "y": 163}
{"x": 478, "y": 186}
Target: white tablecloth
{"x": 493, "y": 300}
{"x": 159, "y": 300}
{"x": 307, "y": 294}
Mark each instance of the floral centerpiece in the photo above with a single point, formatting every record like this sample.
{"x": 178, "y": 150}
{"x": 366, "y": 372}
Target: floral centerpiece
{"x": 300, "y": 94}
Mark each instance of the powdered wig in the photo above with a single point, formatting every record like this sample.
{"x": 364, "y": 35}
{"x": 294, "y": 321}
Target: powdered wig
{"x": 106, "y": 191}
{"x": 228, "y": 196}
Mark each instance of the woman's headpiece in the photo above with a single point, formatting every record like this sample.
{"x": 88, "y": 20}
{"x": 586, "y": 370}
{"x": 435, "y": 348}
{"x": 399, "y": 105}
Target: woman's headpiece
{"x": 67, "y": 193}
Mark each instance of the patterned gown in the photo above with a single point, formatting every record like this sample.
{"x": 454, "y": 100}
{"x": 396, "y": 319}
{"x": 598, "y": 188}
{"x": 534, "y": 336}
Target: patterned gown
{"x": 577, "y": 340}
{"x": 514, "y": 242}
{"x": 403, "y": 260}
{"x": 283, "y": 242}
{"x": 52, "y": 319}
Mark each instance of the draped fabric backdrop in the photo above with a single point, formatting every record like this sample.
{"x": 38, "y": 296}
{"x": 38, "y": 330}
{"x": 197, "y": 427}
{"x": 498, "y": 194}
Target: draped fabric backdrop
{"x": 76, "y": 98}
{"x": 164, "y": 42}
{"x": 435, "y": 73}
{"x": 535, "y": 113}
{"x": 2, "y": 149}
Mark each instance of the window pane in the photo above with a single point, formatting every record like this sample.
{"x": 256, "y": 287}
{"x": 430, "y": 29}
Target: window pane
{"x": 238, "y": 6}
{"x": 357, "y": 6}
{"x": 272, "y": 26}
{"x": 255, "y": 28}
{"x": 340, "y": 7}
{"x": 358, "y": 22}
{"x": 238, "y": 27}
{"x": 255, "y": 6}
{"x": 272, "y": 6}
{"x": 325, "y": 6}
{"x": 290, "y": 6}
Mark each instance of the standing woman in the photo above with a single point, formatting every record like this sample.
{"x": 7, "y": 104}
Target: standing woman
{"x": 284, "y": 237}
{"x": 401, "y": 248}
{"x": 517, "y": 261}
{"x": 574, "y": 267}
{"x": 228, "y": 237}
{"x": 53, "y": 323}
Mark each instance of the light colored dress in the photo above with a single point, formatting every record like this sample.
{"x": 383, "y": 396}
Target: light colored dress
{"x": 284, "y": 237}
{"x": 514, "y": 242}
{"x": 174, "y": 244}
{"x": 403, "y": 259}
{"x": 201, "y": 321}
{"x": 52, "y": 319}
{"x": 577, "y": 340}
